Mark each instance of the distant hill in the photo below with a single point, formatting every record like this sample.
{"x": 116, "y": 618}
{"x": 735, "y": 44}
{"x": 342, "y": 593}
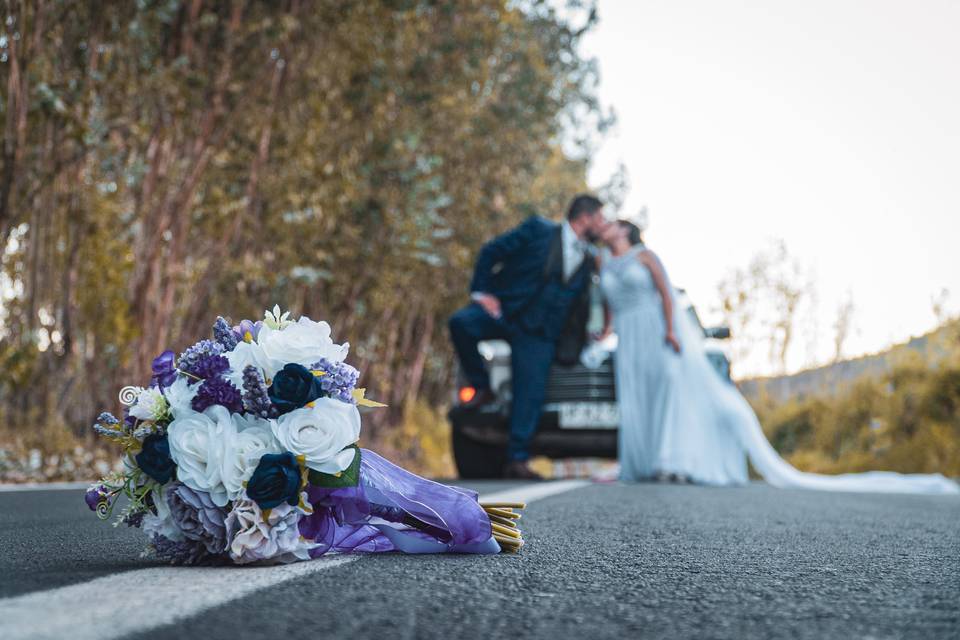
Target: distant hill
{"x": 828, "y": 378}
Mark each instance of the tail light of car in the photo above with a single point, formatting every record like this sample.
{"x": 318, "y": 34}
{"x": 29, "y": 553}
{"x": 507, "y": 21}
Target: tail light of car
{"x": 466, "y": 394}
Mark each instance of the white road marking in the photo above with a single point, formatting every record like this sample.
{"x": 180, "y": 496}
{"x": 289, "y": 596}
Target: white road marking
{"x": 158, "y": 596}
{"x": 136, "y": 601}
{"x": 43, "y": 486}
{"x": 536, "y": 491}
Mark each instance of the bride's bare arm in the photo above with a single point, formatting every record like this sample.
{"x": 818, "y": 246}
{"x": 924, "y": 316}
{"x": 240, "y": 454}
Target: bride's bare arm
{"x": 651, "y": 262}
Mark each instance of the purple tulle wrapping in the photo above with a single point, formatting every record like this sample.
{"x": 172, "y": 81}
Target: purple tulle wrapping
{"x": 369, "y": 517}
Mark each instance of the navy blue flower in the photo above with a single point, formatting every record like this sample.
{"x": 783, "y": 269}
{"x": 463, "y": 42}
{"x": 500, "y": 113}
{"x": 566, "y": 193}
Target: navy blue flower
{"x": 293, "y": 387}
{"x": 154, "y": 458}
{"x": 275, "y": 480}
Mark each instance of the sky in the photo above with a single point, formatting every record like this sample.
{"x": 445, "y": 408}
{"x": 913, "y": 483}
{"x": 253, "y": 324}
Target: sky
{"x": 833, "y": 125}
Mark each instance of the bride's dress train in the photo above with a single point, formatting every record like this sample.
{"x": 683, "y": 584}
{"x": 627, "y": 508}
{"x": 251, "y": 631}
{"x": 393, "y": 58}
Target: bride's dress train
{"x": 678, "y": 416}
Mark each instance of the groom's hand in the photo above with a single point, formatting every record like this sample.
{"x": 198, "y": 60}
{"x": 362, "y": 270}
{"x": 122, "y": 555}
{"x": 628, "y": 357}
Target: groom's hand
{"x": 489, "y": 302}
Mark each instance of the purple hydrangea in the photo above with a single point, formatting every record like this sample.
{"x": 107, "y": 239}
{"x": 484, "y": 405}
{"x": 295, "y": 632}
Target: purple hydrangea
{"x": 207, "y": 367}
{"x": 255, "y": 397}
{"x": 217, "y": 391}
{"x": 197, "y": 517}
{"x": 193, "y": 355}
{"x": 225, "y": 335}
{"x": 339, "y": 379}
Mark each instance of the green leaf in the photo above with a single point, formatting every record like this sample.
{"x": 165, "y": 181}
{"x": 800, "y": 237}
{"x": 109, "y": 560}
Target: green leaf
{"x": 349, "y": 477}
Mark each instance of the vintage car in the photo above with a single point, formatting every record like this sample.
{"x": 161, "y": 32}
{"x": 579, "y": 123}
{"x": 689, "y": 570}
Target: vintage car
{"x": 580, "y": 416}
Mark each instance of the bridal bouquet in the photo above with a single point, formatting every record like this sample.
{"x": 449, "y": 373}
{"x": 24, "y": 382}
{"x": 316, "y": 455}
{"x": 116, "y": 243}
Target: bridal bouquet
{"x": 243, "y": 449}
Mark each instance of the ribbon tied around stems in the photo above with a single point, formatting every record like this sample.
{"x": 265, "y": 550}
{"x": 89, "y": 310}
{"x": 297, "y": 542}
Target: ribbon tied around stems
{"x": 391, "y": 509}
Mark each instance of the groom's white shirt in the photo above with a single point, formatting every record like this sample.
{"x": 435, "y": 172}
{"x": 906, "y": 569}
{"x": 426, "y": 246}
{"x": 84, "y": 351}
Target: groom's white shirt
{"x": 574, "y": 251}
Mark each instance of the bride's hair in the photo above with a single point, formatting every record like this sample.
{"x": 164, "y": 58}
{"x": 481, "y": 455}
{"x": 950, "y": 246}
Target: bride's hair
{"x": 634, "y": 235}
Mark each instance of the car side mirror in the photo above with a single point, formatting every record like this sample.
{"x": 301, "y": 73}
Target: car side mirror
{"x": 718, "y": 333}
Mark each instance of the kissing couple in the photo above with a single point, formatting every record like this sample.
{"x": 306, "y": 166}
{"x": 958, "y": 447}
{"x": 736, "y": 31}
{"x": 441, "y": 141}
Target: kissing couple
{"x": 678, "y": 416}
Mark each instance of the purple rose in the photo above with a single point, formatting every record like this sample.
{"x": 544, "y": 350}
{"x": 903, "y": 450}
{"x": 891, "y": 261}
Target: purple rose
{"x": 164, "y": 371}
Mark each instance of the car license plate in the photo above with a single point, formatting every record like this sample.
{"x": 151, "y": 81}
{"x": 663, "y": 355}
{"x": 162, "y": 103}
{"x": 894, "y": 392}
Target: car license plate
{"x": 589, "y": 415}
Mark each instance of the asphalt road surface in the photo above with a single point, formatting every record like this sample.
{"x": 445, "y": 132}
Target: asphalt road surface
{"x": 601, "y": 561}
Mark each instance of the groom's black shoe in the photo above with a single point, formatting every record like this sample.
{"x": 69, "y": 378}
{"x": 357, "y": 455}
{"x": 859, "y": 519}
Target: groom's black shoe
{"x": 479, "y": 399}
{"x": 520, "y": 470}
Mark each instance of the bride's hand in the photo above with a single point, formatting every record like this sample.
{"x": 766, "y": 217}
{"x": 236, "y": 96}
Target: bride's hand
{"x": 599, "y": 336}
{"x": 673, "y": 342}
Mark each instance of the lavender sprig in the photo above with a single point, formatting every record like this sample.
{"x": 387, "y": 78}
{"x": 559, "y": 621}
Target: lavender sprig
{"x": 190, "y": 358}
{"x": 339, "y": 379}
{"x": 108, "y": 426}
{"x": 224, "y": 334}
{"x": 255, "y": 397}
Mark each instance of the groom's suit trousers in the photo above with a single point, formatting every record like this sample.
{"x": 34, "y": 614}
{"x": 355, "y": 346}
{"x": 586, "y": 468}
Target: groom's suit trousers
{"x": 530, "y": 359}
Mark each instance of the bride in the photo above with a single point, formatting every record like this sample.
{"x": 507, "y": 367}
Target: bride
{"x": 678, "y": 416}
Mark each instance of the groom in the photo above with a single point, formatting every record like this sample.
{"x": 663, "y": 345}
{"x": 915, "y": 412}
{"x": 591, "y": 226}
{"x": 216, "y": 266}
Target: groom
{"x": 529, "y": 287}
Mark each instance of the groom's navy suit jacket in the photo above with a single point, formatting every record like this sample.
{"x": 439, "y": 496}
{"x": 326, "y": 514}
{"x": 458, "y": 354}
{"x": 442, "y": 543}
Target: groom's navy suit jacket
{"x": 524, "y": 269}
{"x": 543, "y": 317}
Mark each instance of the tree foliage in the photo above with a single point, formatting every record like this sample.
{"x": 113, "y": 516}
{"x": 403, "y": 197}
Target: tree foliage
{"x": 167, "y": 160}
{"x": 907, "y": 419}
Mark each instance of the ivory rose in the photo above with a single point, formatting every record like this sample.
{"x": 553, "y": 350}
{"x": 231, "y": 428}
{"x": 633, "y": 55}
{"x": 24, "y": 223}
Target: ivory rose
{"x": 320, "y": 434}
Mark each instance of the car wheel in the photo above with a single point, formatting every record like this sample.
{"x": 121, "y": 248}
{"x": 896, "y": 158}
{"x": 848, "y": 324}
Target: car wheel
{"x": 476, "y": 460}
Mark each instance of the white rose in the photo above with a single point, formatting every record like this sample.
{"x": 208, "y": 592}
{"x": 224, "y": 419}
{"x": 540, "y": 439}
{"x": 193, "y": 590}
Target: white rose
{"x": 250, "y": 353}
{"x": 251, "y": 440}
{"x": 303, "y": 342}
{"x": 180, "y": 396}
{"x": 320, "y": 434}
{"x": 197, "y": 444}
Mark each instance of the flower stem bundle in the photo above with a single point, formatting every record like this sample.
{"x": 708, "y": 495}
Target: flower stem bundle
{"x": 503, "y": 523}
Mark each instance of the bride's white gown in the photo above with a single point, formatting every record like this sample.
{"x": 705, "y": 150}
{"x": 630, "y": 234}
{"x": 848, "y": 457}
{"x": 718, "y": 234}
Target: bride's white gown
{"x": 679, "y": 416}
